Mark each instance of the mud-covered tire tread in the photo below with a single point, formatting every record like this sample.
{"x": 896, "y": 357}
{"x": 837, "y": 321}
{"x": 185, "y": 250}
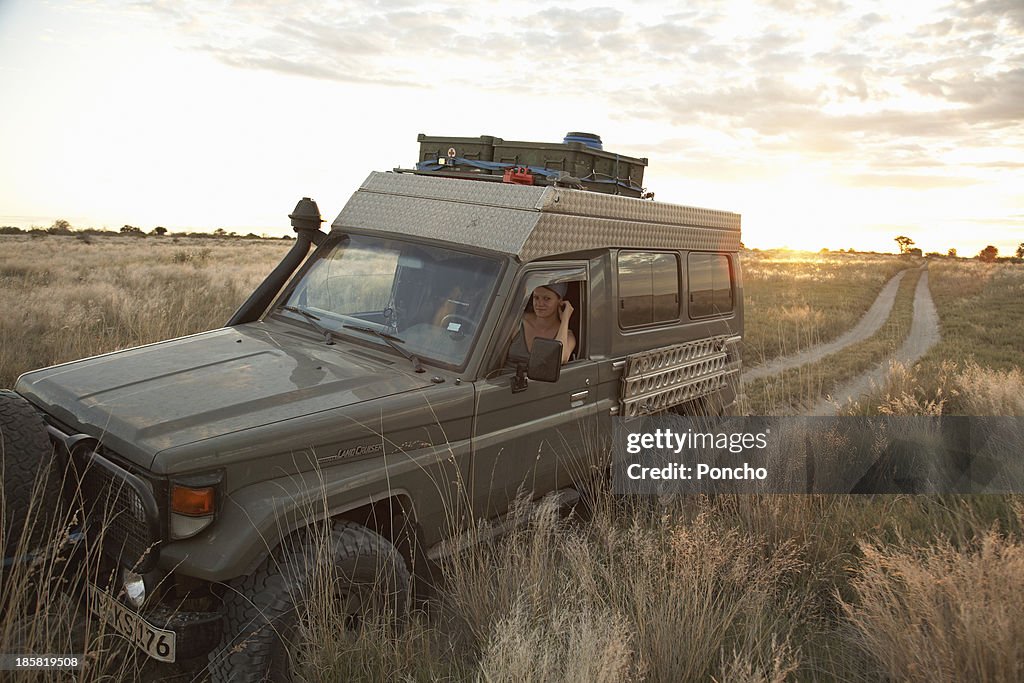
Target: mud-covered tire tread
{"x": 256, "y": 604}
{"x": 27, "y": 454}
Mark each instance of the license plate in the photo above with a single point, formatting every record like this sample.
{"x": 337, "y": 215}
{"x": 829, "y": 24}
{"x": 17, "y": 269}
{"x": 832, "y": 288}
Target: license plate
{"x": 156, "y": 642}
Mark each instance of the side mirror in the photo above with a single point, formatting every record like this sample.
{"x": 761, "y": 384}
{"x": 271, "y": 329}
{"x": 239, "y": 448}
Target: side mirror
{"x": 545, "y": 364}
{"x": 545, "y": 360}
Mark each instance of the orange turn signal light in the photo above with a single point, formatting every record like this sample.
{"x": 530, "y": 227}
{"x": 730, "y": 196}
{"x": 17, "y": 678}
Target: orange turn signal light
{"x": 193, "y": 502}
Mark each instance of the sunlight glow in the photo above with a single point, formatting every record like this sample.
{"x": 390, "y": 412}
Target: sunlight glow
{"x": 823, "y": 129}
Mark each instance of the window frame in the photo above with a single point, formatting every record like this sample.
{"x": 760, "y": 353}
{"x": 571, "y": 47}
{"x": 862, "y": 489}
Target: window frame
{"x": 678, "y": 294}
{"x": 531, "y": 276}
{"x": 730, "y": 268}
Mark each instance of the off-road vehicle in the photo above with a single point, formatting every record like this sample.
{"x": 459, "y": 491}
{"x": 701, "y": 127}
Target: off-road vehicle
{"x": 363, "y": 391}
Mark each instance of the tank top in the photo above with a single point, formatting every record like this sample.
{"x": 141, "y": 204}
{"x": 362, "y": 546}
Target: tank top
{"x": 518, "y": 352}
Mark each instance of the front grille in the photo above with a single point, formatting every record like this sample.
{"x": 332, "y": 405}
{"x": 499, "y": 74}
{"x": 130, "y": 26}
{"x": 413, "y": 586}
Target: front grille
{"x": 120, "y": 510}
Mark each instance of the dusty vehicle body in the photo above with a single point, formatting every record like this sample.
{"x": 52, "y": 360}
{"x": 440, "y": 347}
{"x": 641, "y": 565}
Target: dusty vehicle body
{"x": 203, "y": 454}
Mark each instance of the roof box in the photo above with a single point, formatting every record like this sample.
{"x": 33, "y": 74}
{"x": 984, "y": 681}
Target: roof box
{"x": 579, "y": 159}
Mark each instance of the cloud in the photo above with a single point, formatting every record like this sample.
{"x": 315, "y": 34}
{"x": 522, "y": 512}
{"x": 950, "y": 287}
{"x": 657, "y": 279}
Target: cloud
{"x": 989, "y": 14}
{"x": 891, "y": 90}
{"x": 283, "y": 65}
{"x": 670, "y": 38}
{"x": 909, "y": 181}
{"x": 573, "y": 22}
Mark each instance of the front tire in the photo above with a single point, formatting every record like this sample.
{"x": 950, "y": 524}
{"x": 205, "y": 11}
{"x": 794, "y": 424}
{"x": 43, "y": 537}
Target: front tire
{"x": 30, "y": 475}
{"x": 262, "y": 611}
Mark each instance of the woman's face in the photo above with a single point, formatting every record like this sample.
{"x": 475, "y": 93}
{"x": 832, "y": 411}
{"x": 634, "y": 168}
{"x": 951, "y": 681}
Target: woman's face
{"x": 545, "y": 302}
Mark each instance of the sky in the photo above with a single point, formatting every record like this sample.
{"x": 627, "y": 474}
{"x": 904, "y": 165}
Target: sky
{"x": 826, "y": 124}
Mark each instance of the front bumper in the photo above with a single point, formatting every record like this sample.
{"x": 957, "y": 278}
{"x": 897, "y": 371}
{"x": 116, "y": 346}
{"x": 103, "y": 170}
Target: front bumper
{"x": 120, "y": 508}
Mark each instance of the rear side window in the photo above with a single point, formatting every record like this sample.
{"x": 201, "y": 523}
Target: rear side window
{"x": 710, "y": 285}
{"x": 648, "y": 288}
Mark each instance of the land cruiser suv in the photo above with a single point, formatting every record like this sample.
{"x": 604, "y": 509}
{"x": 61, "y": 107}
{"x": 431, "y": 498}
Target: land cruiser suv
{"x": 364, "y": 387}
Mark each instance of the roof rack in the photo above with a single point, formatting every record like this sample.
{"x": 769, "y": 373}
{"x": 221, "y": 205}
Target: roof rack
{"x": 579, "y": 162}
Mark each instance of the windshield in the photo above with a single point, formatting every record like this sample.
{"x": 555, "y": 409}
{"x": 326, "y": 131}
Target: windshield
{"x": 429, "y": 300}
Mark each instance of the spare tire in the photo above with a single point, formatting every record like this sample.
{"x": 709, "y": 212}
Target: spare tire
{"x": 30, "y": 475}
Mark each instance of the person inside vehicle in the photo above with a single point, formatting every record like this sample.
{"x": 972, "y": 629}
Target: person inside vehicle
{"x": 549, "y": 319}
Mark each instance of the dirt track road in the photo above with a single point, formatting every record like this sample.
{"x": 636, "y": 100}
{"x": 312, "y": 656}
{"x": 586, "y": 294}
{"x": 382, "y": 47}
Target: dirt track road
{"x": 870, "y": 323}
{"x": 924, "y": 334}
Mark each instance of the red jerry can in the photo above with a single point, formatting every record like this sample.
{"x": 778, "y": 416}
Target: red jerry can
{"x": 518, "y": 175}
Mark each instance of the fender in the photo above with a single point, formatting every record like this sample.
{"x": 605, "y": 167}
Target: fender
{"x": 255, "y": 518}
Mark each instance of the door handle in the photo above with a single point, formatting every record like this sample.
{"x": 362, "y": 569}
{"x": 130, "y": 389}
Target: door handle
{"x": 579, "y": 395}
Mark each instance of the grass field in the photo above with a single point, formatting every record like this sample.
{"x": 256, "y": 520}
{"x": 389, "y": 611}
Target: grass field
{"x": 978, "y": 366}
{"x": 793, "y": 300}
{"x": 726, "y": 588}
{"x": 790, "y": 391}
{"x": 62, "y": 298}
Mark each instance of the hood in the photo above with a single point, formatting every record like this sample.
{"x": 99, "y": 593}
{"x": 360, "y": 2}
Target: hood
{"x": 151, "y": 398}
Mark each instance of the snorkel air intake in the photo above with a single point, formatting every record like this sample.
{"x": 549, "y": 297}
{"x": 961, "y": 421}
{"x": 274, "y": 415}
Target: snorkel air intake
{"x": 306, "y": 222}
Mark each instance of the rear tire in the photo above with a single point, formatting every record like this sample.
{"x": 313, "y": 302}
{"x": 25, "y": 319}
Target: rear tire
{"x": 30, "y": 474}
{"x": 262, "y": 610}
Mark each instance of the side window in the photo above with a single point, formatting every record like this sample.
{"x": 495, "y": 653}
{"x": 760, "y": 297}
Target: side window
{"x": 648, "y": 288}
{"x": 710, "y": 285}
{"x": 574, "y": 278}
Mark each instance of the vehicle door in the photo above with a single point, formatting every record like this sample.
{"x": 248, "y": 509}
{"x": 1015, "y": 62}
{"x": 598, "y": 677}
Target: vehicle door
{"x": 542, "y": 438}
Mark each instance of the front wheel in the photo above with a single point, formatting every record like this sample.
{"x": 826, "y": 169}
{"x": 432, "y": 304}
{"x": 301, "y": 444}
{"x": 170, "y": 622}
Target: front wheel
{"x": 349, "y": 568}
{"x": 30, "y": 476}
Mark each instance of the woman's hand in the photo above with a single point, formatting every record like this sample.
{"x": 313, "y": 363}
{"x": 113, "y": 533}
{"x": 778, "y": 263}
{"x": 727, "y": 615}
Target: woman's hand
{"x": 565, "y": 310}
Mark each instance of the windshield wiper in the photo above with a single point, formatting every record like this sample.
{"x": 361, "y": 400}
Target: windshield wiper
{"x": 312, "y": 321}
{"x": 393, "y": 342}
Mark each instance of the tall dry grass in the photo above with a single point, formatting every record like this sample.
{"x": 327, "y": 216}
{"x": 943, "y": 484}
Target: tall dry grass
{"x": 941, "y": 613}
{"x": 65, "y": 299}
{"x": 662, "y": 598}
{"x": 43, "y": 604}
{"x": 950, "y": 388}
{"x": 726, "y": 588}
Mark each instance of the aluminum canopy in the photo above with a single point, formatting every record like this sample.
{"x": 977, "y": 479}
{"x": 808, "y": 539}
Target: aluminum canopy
{"x": 529, "y": 222}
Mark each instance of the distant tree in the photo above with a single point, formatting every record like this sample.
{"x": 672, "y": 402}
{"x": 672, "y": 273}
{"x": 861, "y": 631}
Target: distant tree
{"x": 130, "y": 230}
{"x": 59, "y": 227}
{"x": 904, "y": 243}
{"x": 159, "y": 230}
{"x": 988, "y": 254}
{"x": 951, "y": 253}
{"x": 824, "y": 250}
{"x": 914, "y": 251}
{"x": 10, "y": 230}
{"x": 220, "y": 232}
{"x": 1020, "y": 250}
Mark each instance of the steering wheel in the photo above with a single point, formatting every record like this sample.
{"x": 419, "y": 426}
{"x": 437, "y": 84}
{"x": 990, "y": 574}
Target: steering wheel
{"x": 465, "y": 324}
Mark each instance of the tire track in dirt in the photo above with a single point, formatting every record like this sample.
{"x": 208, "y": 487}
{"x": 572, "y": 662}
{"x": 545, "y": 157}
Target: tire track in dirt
{"x": 869, "y": 323}
{"x": 924, "y": 334}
